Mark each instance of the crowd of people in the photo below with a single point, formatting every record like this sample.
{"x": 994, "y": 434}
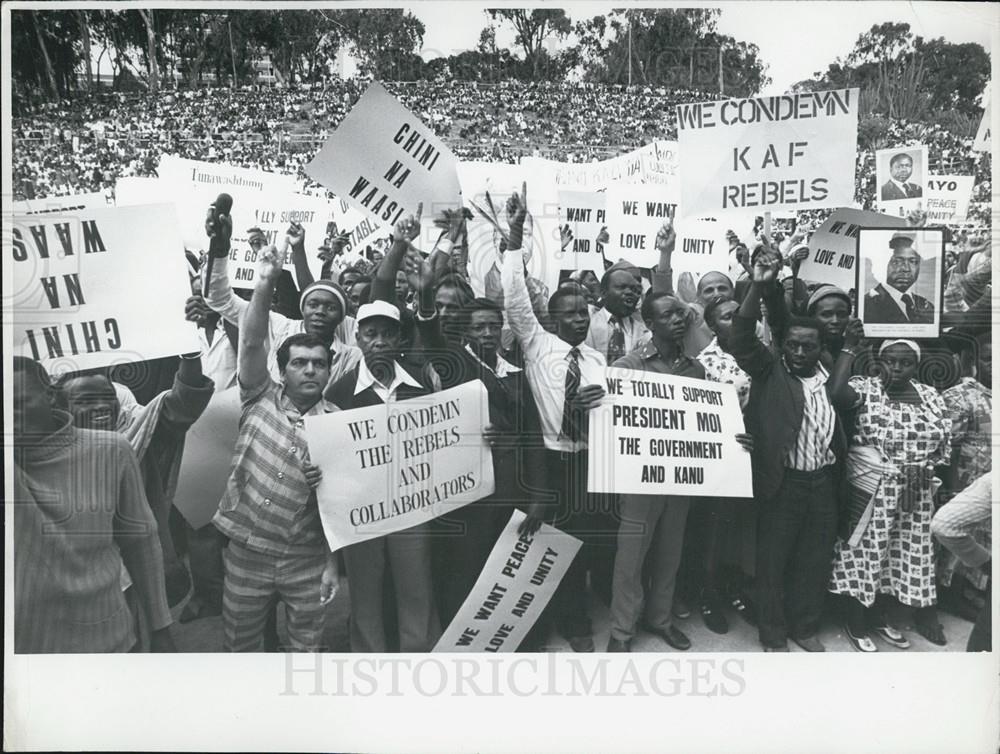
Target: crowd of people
{"x": 871, "y": 459}
{"x": 84, "y": 144}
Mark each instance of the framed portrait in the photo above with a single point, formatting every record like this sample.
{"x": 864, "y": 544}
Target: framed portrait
{"x": 901, "y": 179}
{"x": 900, "y": 278}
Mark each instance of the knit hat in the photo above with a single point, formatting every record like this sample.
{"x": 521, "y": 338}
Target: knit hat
{"x": 827, "y": 290}
{"x": 324, "y": 285}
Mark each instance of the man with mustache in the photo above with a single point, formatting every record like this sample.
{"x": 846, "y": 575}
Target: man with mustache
{"x": 277, "y": 550}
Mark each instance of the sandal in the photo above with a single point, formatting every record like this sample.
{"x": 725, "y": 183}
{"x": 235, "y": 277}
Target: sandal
{"x": 862, "y": 643}
{"x": 891, "y": 636}
{"x": 933, "y": 632}
{"x": 744, "y": 611}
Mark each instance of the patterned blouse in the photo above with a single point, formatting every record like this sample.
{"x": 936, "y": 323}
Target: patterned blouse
{"x": 970, "y": 408}
{"x": 722, "y": 367}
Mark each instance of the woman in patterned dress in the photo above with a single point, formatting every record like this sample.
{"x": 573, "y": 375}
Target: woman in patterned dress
{"x": 907, "y": 421}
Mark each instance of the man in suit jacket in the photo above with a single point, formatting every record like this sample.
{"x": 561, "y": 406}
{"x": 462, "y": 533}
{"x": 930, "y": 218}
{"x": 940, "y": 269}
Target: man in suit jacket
{"x": 892, "y": 302}
{"x": 898, "y": 186}
{"x": 798, "y": 444}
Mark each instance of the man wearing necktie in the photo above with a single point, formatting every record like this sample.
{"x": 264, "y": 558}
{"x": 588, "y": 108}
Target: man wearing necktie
{"x": 564, "y": 374}
{"x": 899, "y": 185}
{"x": 616, "y": 328}
{"x": 894, "y": 301}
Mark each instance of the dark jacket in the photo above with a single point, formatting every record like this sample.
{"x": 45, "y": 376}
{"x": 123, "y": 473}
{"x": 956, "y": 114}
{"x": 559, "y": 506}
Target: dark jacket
{"x": 341, "y": 393}
{"x": 880, "y": 309}
{"x": 774, "y": 411}
{"x": 891, "y": 192}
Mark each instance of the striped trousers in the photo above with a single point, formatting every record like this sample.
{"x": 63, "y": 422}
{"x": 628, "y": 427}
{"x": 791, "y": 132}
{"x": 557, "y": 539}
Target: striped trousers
{"x": 254, "y": 584}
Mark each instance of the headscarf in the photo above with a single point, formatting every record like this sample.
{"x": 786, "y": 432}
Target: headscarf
{"x": 908, "y": 343}
{"x": 827, "y": 290}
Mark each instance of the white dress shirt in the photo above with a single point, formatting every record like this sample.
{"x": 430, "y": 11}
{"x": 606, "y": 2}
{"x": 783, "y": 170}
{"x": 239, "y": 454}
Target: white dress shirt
{"x": 599, "y": 335}
{"x": 218, "y": 358}
{"x": 386, "y": 392}
{"x": 897, "y": 296}
{"x": 545, "y": 356}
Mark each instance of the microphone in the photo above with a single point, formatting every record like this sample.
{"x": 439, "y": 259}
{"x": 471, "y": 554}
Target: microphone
{"x": 222, "y": 205}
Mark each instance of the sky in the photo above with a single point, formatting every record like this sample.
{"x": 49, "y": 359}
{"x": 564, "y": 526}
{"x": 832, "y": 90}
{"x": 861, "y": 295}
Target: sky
{"x": 796, "y": 39}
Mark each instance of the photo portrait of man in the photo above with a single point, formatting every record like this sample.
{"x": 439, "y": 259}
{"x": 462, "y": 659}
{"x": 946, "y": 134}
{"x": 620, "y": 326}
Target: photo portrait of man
{"x": 893, "y": 302}
{"x": 899, "y": 185}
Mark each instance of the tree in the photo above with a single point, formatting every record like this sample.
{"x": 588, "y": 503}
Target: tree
{"x": 903, "y": 76}
{"x": 43, "y": 48}
{"x": 673, "y": 48}
{"x": 532, "y": 27}
{"x": 151, "y": 50}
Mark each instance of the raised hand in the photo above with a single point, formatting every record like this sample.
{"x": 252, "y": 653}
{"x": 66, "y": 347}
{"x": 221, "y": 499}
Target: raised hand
{"x": 270, "y": 263}
{"x": 565, "y": 237}
{"x": 517, "y": 212}
{"x": 296, "y": 236}
{"x": 666, "y": 237}
{"x": 765, "y": 269}
{"x": 196, "y": 310}
{"x": 854, "y": 333}
{"x": 408, "y": 227}
{"x": 219, "y": 229}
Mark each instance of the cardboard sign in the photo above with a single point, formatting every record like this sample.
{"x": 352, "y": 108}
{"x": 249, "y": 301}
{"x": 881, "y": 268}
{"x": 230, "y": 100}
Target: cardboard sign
{"x": 795, "y": 152}
{"x": 833, "y": 247}
{"x": 656, "y": 434}
{"x": 221, "y": 177}
{"x": 585, "y": 214}
{"x": 99, "y": 287}
{"x": 209, "y": 446}
{"x": 900, "y": 177}
{"x": 948, "y": 199}
{"x": 53, "y": 204}
{"x": 635, "y": 215}
{"x": 516, "y": 584}
{"x": 886, "y": 275}
{"x": 983, "y": 134}
{"x": 389, "y": 467}
{"x": 541, "y": 243}
{"x": 702, "y": 246}
{"x": 272, "y": 213}
{"x": 384, "y": 161}
{"x": 654, "y": 163}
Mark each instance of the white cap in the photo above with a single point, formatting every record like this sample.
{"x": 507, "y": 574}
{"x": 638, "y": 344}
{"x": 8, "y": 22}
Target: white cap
{"x": 377, "y": 309}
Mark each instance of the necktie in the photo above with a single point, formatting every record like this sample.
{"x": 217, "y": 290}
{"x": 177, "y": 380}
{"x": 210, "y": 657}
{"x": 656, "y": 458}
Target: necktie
{"x": 569, "y": 429}
{"x": 616, "y": 341}
{"x": 907, "y": 300}
{"x": 909, "y": 189}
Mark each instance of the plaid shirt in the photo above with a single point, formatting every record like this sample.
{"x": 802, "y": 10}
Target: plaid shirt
{"x": 267, "y": 504}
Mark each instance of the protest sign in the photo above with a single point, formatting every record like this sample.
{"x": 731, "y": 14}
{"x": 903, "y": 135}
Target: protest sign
{"x": 384, "y": 161}
{"x": 390, "y": 467}
{"x": 98, "y": 287}
{"x": 900, "y": 174}
{"x": 983, "y": 134}
{"x": 635, "y": 215}
{"x": 653, "y": 163}
{"x": 221, "y": 177}
{"x": 487, "y": 185}
{"x": 948, "y": 198}
{"x": 833, "y": 247}
{"x": 515, "y": 585}
{"x": 898, "y": 262}
{"x": 658, "y": 434}
{"x": 52, "y": 204}
{"x": 794, "y": 151}
{"x": 584, "y": 213}
{"x": 702, "y": 245}
{"x": 271, "y": 212}
{"x": 209, "y": 446}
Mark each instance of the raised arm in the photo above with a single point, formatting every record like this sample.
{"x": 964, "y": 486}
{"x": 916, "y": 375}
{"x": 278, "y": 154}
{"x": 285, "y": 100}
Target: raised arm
{"x": 218, "y": 292}
{"x": 254, "y": 331}
{"x": 663, "y": 275}
{"x": 753, "y": 356}
{"x": 384, "y": 284}
{"x": 842, "y": 395}
{"x": 517, "y": 301}
{"x": 303, "y": 275}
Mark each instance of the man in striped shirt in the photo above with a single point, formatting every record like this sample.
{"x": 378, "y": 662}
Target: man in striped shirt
{"x": 277, "y": 549}
{"x": 798, "y": 441}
